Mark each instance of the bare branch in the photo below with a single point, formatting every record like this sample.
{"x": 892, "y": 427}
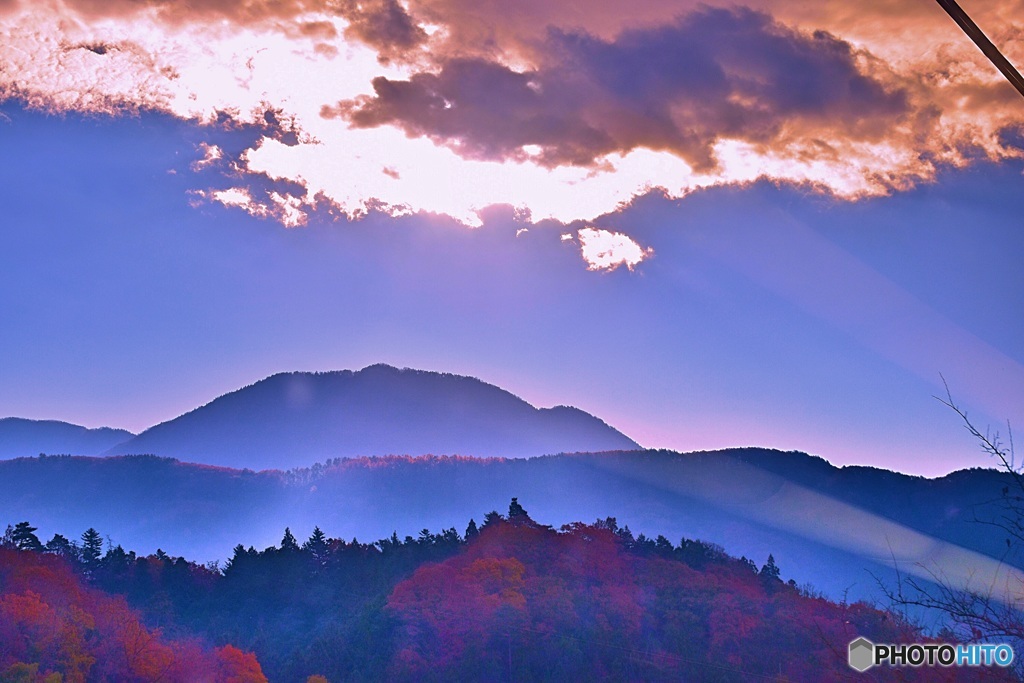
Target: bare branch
{"x": 975, "y": 611}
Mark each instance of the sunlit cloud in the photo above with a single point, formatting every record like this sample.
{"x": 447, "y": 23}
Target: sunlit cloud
{"x": 235, "y": 196}
{"x": 290, "y": 211}
{"x": 607, "y": 250}
{"x": 211, "y": 155}
{"x": 566, "y": 110}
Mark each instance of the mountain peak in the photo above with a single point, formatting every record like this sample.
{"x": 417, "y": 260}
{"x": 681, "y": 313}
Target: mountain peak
{"x": 295, "y": 418}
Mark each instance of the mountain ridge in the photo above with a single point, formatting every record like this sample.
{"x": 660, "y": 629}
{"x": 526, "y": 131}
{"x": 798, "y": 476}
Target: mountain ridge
{"x": 291, "y": 419}
{"x": 742, "y": 499}
{"x": 20, "y": 437}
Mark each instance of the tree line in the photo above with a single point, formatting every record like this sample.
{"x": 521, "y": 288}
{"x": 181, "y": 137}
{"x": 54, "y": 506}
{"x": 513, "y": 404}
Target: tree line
{"x": 508, "y": 599}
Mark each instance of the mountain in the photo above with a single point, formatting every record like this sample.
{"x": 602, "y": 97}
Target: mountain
{"x": 295, "y": 419}
{"x": 831, "y": 527}
{"x": 20, "y": 437}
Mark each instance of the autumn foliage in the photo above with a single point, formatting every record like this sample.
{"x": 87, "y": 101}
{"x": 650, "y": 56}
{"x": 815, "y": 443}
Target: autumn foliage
{"x": 54, "y": 628}
{"x": 526, "y": 602}
{"x": 509, "y": 600}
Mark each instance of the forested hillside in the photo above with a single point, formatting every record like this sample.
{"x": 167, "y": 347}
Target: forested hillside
{"x": 55, "y": 627}
{"x": 508, "y": 599}
{"x": 827, "y": 525}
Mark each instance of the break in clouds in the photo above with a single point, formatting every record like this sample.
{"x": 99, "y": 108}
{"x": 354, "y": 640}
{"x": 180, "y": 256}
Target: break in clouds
{"x": 565, "y": 110}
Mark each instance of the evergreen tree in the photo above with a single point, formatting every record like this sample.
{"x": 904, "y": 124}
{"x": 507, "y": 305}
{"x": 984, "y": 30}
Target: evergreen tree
{"x": 492, "y": 517}
{"x": 387, "y": 544}
{"x": 117, "y": 559}
{"x": 24, "y": 537}
{"x": 663, "y": 546}
{"x": 237, "y": 560}
{"x": 316, "y": 539}
{"x": 516, "y": 511}
{"x": 471, "y": 531}
{"x": 59, "y": 545}
{"x": 770, "y": 570}
{"x": 317, "y": 546}
{"x": 92, "y": 547}
{"x": 288, "y": 543}
{"x": 647, "y": 545}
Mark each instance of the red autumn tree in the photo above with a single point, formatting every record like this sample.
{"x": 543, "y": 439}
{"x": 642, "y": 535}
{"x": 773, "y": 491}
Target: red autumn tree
{"x": 50, "y": 623}
{"x": 532, "y": 603}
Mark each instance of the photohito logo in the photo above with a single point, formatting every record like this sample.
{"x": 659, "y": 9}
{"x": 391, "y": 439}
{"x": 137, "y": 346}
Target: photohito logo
{"x": 864, "y": 654}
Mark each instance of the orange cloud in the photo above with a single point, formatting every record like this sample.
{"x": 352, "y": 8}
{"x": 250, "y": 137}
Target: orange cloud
{"x": 567, "y": 109}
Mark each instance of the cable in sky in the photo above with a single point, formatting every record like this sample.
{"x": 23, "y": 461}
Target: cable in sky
{"x": 981, "y": 40}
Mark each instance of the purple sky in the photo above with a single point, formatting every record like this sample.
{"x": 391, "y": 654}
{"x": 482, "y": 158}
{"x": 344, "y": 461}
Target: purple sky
{"x": 835, "y": 222}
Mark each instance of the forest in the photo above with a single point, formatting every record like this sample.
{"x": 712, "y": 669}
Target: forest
{"x": 506, "y": 600}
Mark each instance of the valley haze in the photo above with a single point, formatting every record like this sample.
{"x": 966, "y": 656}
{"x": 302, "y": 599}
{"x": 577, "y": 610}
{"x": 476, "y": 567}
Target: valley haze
{"x": 385, "y": 450}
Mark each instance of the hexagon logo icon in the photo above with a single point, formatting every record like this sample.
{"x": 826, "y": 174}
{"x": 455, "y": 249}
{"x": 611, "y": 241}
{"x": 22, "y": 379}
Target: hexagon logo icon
{"x": 862, "y": 654}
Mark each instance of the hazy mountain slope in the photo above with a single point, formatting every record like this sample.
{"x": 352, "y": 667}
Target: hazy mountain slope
{"x": 20, "y": 437}
{"x": 295, "y": 419}
{"x": 824, "y": 525}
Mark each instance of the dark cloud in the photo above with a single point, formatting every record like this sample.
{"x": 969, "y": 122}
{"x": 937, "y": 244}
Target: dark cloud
{"x": 679, "y": 88}
{"x": 383, "y": 25}
{"x": 96, "y": 48}
{"x": 318, "y": 29}
{"x": 483, "y": 110}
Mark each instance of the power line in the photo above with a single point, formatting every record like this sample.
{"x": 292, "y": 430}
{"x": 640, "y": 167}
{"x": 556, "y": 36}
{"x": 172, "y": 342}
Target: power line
{"x": 981, "y": 40}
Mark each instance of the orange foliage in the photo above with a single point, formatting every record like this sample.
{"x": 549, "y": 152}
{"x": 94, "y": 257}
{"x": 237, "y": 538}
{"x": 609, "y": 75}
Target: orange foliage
{"x": 52, "y": 624}
{"x": 516, "y": 578}
{"x": 539, "y": 604}
{"x": 236, "y": 666}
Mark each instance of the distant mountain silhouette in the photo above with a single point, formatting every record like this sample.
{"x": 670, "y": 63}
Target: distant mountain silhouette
{"x": 20, "y": 437}
{"x": 295, "y": 419}
{"x": 825, "y": 525}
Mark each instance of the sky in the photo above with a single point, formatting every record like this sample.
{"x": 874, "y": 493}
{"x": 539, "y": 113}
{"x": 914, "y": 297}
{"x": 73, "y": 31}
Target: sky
{"x": 775, "y": 223}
